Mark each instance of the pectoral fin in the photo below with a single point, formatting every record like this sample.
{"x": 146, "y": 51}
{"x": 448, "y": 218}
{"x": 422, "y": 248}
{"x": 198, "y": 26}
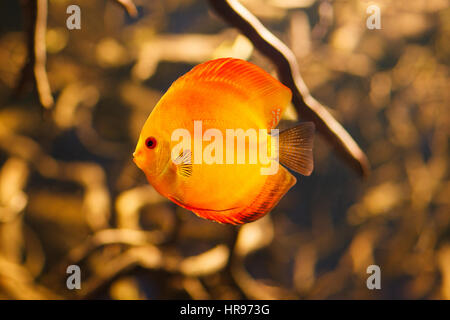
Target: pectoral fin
{"x": 183, "y": 163}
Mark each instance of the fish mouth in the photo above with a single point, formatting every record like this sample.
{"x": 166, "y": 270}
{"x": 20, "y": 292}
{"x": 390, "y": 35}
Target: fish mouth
{"x": 137, "y": 159}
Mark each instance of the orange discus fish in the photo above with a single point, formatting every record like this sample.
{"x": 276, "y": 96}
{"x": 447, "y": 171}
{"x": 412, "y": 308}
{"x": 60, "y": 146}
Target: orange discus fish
{"x": 216, "y": 110}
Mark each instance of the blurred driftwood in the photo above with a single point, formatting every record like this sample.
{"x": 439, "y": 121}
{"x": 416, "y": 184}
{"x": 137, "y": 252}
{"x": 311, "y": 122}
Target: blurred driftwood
{"x": 284, "y": 59}
{"x": 35, "y": 13}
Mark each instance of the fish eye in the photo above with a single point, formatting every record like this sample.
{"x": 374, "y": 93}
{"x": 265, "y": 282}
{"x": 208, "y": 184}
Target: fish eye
{"x": 150, "y": 142}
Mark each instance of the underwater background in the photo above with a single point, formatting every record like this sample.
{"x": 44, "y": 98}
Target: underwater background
{"x": 70, "y": 193}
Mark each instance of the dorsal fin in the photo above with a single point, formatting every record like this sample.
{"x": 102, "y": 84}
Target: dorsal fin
{"x": 266, "y": 94}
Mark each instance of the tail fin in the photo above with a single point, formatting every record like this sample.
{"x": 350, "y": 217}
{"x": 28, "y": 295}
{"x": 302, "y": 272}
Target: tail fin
{"x": 295, "y": 148}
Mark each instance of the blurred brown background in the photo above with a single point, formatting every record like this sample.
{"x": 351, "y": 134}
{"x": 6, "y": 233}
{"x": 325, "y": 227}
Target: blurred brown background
{"x": 70, "y": 194}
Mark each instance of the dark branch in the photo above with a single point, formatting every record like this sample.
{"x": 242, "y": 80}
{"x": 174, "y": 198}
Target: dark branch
{"x": 284, "y": 59}
{"x": 129, "y": 6}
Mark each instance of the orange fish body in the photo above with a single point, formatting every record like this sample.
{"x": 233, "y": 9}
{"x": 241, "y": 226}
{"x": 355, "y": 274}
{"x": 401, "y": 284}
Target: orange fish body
{"x": 220, "y": 95}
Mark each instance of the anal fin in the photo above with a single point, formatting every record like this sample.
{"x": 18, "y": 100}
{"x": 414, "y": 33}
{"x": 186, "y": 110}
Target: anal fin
{"x": 273, "y": 190}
